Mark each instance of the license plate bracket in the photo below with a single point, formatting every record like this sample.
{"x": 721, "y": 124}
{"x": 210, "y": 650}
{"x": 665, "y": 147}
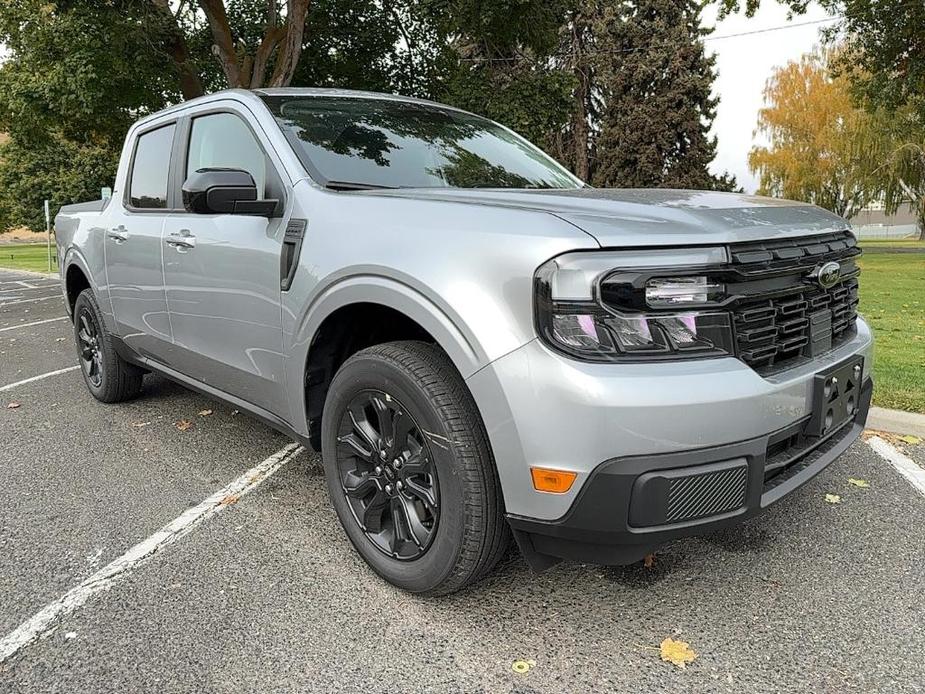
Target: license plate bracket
{"x": 836, "y": 396}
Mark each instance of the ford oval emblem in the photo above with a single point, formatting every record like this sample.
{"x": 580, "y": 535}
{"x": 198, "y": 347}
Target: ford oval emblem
{"x": 828, "y": 275}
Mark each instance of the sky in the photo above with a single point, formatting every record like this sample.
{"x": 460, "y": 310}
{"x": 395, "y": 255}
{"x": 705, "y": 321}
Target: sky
{"x": 744, "y": 64}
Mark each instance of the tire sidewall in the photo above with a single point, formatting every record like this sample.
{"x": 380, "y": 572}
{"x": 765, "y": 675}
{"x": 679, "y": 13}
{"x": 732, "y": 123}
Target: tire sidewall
{"x": 372, "y": 373}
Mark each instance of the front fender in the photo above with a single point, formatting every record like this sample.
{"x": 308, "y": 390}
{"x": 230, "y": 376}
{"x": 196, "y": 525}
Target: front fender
{"x": 457, "y": 339}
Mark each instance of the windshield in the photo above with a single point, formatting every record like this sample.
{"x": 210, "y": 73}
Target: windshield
{"x": 386, "y": 143}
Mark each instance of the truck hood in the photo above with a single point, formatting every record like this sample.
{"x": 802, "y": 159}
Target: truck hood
{"x": 653, "y": 217}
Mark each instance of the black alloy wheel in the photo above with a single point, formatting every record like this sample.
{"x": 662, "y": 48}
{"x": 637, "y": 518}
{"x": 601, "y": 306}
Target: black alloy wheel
{"x": 387, "y": 475}
{"x": 88, "y": 346}
{"x": 108, "y": 376}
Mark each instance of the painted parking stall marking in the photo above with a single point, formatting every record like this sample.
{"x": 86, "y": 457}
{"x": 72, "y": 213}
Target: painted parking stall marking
{"x": 904, "y": 465}
{"x": 33, "y": 323}
{"x": 47, "y": 619}
{"x": 40, "y": 377}
{"x": 29, "y": 301}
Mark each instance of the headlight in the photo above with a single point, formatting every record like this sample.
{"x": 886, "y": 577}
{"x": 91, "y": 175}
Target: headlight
{"x": 615, "y": 306}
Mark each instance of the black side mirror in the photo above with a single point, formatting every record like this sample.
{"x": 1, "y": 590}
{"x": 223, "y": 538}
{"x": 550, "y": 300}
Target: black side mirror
{"x": 224, "y": 191}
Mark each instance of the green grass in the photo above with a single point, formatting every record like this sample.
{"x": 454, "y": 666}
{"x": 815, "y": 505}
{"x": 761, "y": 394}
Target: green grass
{"x": 873, "y": 245}
{"x": 893, "y": 302}
{"x": 27, "y": 256}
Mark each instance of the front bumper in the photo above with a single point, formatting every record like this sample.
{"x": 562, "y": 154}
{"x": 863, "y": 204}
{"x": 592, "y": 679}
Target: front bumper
{"x": 622, "y": 512}
{"x": 541, "y": 409}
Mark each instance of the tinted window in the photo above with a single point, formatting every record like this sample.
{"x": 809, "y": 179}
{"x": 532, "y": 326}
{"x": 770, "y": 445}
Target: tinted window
{"x": 223, "y": 140}
{"x": 149, "y": 170}
{"x": 392, "y": 143}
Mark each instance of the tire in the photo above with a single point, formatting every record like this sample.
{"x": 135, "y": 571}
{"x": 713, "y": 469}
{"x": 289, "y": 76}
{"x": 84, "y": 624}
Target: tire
{"x": 109, "y": 378}
{"x": 441, "y": 446}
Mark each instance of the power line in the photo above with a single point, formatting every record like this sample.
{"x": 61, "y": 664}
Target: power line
{"x": 635, "y": 49}
{"x": 770, "y": 29}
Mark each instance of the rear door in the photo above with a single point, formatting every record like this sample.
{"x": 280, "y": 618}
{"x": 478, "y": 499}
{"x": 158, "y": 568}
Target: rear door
{"x": 133, "y": 246}
{"x": 222, "y": 271}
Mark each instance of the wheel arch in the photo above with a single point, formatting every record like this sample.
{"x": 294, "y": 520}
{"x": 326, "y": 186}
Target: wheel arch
{"x": 358, "y": 313}
{"x": 76, "y": 279}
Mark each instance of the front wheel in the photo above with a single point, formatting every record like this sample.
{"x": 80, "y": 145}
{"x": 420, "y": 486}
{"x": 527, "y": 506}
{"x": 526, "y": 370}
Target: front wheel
{"x": 109, "y": 378}
{"x": 409, "y": 469}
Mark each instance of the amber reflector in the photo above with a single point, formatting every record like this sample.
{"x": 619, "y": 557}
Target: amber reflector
{"x": 555, "y": 481}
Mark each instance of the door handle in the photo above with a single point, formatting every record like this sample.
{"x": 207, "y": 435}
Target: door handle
{"x": 118, "y": 234}
{"x": 181, "y": 239}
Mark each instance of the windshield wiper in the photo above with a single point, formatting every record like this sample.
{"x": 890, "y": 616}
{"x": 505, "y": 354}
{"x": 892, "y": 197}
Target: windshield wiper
{"x": 352, "y": 185}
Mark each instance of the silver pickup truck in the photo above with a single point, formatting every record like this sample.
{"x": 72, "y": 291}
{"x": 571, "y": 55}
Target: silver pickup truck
{"x": 478, "y": 343}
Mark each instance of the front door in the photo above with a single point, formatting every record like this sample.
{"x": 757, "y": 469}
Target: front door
{"x": 133, "y": 248}
{"x": 222, "y": 275}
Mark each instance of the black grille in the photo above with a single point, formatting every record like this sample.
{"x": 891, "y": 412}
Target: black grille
{"x": 781, "y": 316}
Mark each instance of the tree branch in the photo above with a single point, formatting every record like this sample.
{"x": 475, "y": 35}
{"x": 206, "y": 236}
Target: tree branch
{"x": 190, "y": 84}
{"x": 223, "y": 46}
{"x": 291, "y": 45}
{"x": 273, "y": 34}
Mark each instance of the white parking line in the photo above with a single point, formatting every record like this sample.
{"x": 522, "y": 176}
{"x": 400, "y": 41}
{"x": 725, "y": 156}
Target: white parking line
{"x": 906, "y": 467}
{"x": 36, "y": 322}
{"x": 37, "y": 378}
{"x": 46, "y": 620}
{"x": 29, "y": 301}
{"x": 29, "y": 287}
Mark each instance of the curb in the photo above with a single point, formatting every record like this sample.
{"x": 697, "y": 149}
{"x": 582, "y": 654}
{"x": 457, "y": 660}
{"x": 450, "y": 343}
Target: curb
{"x": 896, "y": 421}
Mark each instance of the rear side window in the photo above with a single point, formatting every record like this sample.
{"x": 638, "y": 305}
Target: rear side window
{"x": 222, "y": 140}
{"x": 148, "y": 187}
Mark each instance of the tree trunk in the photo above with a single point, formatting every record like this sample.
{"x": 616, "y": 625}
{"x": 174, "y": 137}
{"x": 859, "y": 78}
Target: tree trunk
{"x": 223, "y": 46}
{"x": 921, "y": 219}
{"x": 249, "y": 71}
{"x": 581, "y": 97}
{"x": 190, "y": 84}
{"x": 290, "y": 49}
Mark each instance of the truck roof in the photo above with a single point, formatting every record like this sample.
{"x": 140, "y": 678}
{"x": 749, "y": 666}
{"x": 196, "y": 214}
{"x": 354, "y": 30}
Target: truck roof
{"x": 252, "y": 96}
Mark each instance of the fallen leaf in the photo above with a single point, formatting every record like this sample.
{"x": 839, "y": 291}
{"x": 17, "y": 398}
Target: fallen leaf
{"x": 914, "y": 440}
{"x": 649, "y": 561}
{"x": 228, "y": 500}
{"x": 863, "y": 484}
{"x": 205, "y": 413}
{"x": 138, "y": 425}
{"x": 13, "y": 406}
{"x": 833, "y": 498}
{"x": 522, "y": 666}
{"x": 183, "y": 424}
{"x": 677, "y": 653}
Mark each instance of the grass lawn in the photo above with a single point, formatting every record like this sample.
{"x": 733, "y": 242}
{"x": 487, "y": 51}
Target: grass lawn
{"x": 893, "y": 302}
{"x": 873, "y": 245}
{"x": 27, "y": 256}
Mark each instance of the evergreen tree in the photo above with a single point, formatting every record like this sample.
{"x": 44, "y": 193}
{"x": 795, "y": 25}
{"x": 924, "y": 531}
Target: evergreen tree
{"x": 654, "y": 81}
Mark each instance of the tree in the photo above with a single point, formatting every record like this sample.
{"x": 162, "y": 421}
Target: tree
{"x": 80, "y": 72}
{"x": 654, "y": 82}
{"x": 895, "y": 142}
{"x": 813, "y": 128}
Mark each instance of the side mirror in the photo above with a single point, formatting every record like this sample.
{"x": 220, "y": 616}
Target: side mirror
{"x": 224, "y": 191}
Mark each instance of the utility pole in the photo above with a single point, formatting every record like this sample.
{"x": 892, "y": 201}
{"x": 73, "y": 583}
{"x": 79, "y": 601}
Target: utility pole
{"x": 48, "y": 232}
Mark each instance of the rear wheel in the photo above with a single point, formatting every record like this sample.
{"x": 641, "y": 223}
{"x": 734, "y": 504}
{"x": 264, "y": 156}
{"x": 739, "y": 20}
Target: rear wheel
{"x": 409, "y": 469}
{"x": 109, "y": 378}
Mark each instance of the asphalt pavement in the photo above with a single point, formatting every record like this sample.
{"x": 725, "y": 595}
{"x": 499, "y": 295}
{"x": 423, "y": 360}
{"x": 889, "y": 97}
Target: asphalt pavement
{"x": 268, "y": 595}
